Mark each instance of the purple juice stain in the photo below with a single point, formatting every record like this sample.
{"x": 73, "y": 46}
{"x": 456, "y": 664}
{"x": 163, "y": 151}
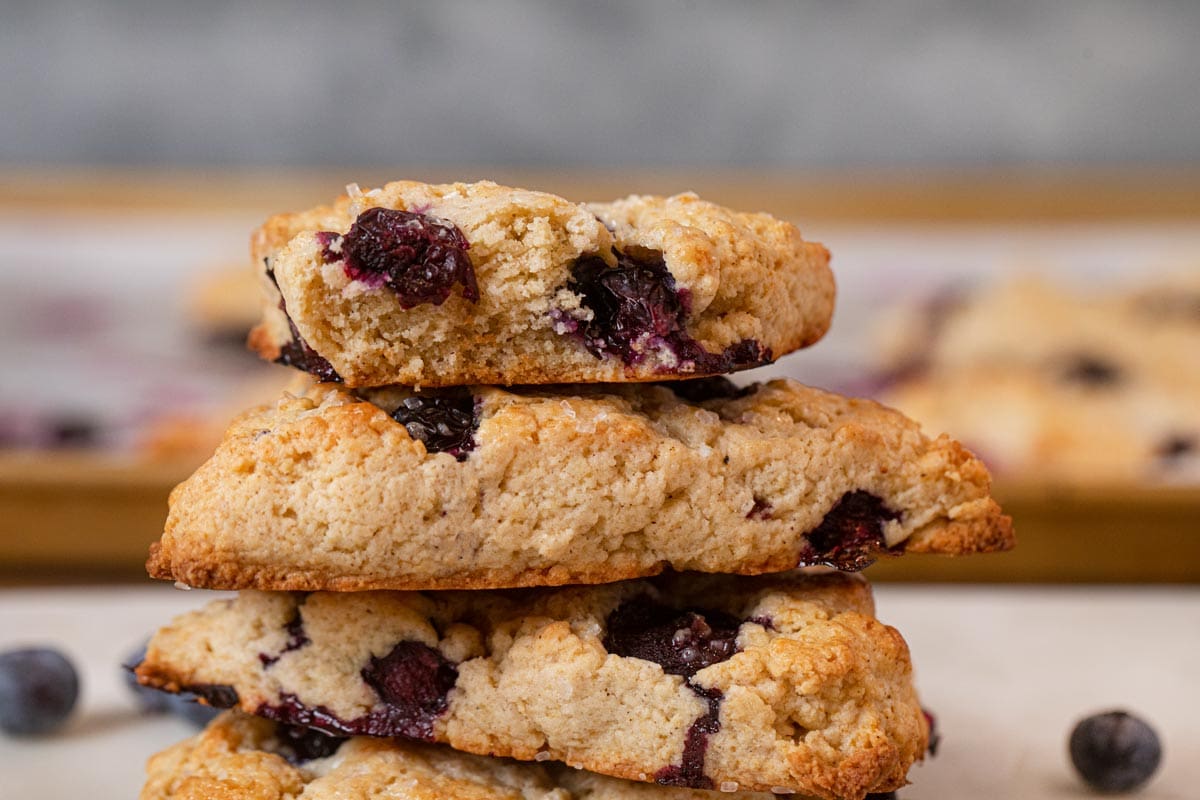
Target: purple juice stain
{"x": 445, "y": 422}
{"x": 413, "y": 683}
{"x": 851, "y": 535}
{"x": 690, "y": 770}
{"x": 682, "y": 643}
{"x": 637, "y": 310}
{"x": 418, "y": 256}
{"x": 297, "y": 638}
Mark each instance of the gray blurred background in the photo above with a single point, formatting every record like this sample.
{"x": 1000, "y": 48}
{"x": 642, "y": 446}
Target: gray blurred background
{"x": 590, "y": 83}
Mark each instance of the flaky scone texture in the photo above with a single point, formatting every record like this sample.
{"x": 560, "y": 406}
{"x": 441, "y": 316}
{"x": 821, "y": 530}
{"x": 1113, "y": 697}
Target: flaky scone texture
{"x": 809, "y": 693}
{"x": 742, "y": 277}
{"x": 328, "y": 491}
{"x": 238, "y": 757}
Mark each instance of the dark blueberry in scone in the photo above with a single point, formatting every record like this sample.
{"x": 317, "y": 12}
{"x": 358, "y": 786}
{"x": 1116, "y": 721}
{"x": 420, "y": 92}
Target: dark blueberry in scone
{"x": 297, "y": 353}
{"x": 637, "y": 309}
{"x": 299, "y": 744}
{"x": 851, "y": 535}
{"x": 1177, "y": 447}
{"x": 1114, "y": 751}
{"x": 1091, "y": 371}
{"x": 38, "y": 690}
{"x": 416, "y": 679}
{"x": 935, "y": 737}
{"x": 681, "y": 642}
{"x": 418, "y": 256}
{"x": 445, "y": 422}
{"x": 701, "y": 389}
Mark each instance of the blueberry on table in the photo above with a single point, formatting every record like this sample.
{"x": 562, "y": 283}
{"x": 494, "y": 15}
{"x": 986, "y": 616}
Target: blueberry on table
{"x": 38, "y": 690}
{"x": 1114, "y": 751}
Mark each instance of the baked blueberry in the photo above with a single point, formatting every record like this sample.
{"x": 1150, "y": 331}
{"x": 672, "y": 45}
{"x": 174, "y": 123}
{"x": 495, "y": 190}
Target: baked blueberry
{"x": 420, "y": 257}
{"x": 300, "y": 744}
{"x": 851, "y": 535}
{"x": 637, "y": 309}
{"x": 445, "y": 422}
{"x": 38, "y": 690}
{"x": 681, "y": 642}
{"x": 1114, "y": 751}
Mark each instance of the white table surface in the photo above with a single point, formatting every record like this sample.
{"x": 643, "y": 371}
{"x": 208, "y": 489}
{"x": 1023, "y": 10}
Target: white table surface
{"x": 1007, "y": 670}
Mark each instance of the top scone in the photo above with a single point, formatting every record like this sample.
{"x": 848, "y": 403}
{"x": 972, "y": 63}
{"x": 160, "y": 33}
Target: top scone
{"x": 453, "y": 284}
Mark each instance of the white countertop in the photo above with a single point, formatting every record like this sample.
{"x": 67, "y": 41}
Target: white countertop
{"x": 1007, "y": 671}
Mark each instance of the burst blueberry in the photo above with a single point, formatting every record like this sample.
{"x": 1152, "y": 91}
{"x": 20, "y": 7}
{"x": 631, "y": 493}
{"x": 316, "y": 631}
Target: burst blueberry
{"x": 420, "y": 257}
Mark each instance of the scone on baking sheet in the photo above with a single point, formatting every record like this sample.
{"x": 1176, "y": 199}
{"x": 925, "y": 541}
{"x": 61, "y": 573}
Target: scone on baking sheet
{"x": 239, "y": 756}
{"x": 438, "y": 285}
{"x": 772, "y": 683}
{"x": 483, "y": 487}
{"x": 1049, "y": 385}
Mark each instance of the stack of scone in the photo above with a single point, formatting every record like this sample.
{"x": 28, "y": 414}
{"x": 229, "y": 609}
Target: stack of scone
{"x": 483, "y": 533}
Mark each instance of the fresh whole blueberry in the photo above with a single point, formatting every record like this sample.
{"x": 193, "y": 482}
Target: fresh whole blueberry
{"x": 1114, "y": 751}
{"x": 38, "y": 690}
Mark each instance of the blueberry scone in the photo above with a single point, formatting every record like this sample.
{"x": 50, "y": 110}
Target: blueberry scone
{"x": 1096, "y": 388}
{"x": 439, "y": 285}
{"x": 483, "y": 487}
{"x": 238, "y": 756}
{"x": 785, "y": 682}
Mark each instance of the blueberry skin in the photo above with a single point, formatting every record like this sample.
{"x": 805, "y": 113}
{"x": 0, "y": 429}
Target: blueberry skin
{"x": 1114, "y": 751}
{"x": 38, "y": 690}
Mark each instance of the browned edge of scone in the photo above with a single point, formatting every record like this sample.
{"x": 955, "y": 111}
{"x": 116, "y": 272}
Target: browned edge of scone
{"x": 951, "y": 538}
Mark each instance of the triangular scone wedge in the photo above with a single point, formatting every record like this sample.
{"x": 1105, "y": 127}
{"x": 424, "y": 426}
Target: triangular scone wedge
{"x": 454, "y": 284}
{"x": 331, "y": 491}
{"x": 772, "y": 683}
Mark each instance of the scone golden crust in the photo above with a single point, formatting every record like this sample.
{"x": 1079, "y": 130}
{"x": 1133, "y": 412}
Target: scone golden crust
{"x": 440, "y": 285}
{"x": 330, "y": 492}
{"x": 244, "y": 758}
{"x": 784, "y": 682}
